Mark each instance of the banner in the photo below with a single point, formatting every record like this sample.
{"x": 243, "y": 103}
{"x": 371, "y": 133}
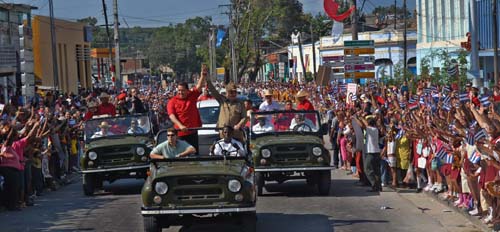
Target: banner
{"x": 220, "y": 36}
{"x": 337, "y": 31}
{"x": 332, "y": 8}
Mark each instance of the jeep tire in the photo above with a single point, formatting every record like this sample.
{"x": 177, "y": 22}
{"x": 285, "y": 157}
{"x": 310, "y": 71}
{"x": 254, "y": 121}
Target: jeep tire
{"x": 248, "y": 222}
{"x": 151, "y": 224}
{"x": 259, "y": 181}
{"x": 324, "y": 182}
{"x": 88, "y": 184}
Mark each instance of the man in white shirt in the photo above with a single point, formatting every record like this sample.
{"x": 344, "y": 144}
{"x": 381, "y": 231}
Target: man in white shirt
{"x": 228, "y": 146}
{"x": 269, "y": 104}
{"x": 372, "y": 158}
{"x": 263, "y": 126}
{"x": 302, "y": 123}
{"x": 104, "y": 130}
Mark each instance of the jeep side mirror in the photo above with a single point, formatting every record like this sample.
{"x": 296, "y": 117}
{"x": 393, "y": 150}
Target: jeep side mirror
{"x": 324, "y": 128}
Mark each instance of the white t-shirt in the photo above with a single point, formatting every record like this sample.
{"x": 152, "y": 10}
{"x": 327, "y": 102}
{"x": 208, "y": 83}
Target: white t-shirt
{"x": 372, "y": 138}
{"x": 234, "y": 148}
{"x": 258, "y": 129}
{"x": 391, "y": 148}
{"x": 264, "y": 106}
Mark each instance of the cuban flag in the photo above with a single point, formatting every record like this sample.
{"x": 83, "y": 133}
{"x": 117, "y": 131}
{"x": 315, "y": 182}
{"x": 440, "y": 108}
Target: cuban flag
{"x": 473, "y": 124}
{"x": 434, "y": 89}
{"x": 413, "y": 106}
{"x": 373, "y": 85}
{"x": 413, "y": 99}
{"x": 441, "y": 153}
{"x": 400, "y": 134}
{"x": 446, "y": 100}
{"x": 447, "y": 107}
{"x": 402, "y": 105}
{"x": 464, "y": 97}
{"x": 427, "y": 91}
{"x": 446, "y": 89}
{"x": 470, "y": 138}
{"x": 475, "y": 157}
{"x": 449, "y": 158}
{"x": 485, "y": 101}
{"x": 354, "y": 97}
{"x": 422, "y": 100}
{"x": 481, "y": 134}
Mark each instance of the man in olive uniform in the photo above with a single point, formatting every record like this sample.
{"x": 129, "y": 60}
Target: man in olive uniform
{"x": 232, "y": 110}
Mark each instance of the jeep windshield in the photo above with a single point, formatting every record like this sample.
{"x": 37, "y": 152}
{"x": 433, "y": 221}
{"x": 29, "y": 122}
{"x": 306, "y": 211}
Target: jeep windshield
{"x": 126, "y": 125}
{"x": 276, "y": 122}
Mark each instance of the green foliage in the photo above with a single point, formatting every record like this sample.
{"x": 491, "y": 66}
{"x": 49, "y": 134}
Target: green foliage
{"x": 309, "y": 77}
{"x": 399, "y": 74}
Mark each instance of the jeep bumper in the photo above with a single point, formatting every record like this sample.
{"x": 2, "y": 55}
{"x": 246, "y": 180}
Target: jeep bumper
{"x": 100, "y": 170}
{"x": 292, "y": 169}
{"x": 159, "y": 211}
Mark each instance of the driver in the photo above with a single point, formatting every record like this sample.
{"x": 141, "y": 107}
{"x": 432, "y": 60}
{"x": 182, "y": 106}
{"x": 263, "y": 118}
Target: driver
{"x": 172, "y": 148}
{"x": 228, "y": 146}
{"x": 104, "y": 130}
{"x": 263, "y": 126}
{"x": 134, "y": 128}
{"x": 302, "y": 123}
{"x": 143, "y": 124}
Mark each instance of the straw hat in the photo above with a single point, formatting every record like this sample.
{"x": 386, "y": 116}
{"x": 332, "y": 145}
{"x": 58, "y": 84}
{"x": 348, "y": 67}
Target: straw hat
{"x": 104, "y": 95}
{"x": 104, "y": 124}
{"x": 91, "y": 104}
{"x": 259, "y": 116}
{"x": 230, "y": 87}
{"x": 268, "y": 92}
{"x": 301, "y": 93}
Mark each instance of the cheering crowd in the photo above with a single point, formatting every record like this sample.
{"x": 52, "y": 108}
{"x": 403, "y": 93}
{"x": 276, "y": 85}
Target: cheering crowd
{"x": 436, "y": 138}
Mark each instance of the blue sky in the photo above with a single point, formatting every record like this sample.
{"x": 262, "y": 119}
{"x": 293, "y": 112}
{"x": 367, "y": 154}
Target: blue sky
{"x": 152, "y": 13}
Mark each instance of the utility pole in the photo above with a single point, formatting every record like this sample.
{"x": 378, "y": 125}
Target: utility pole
{"x": 117, "y": 47}
{"x": 233, "y": 36}
{"x": 354, "y": 29}
{"x": 495, "y": 40}
{"x": 301, "y": 55}
{"x": 313, "y": 52}
{"x": 395, "y": 13}
{"x": 474, "y": 45}
{"x": 405, "y": 42}
{"x": 55, "y": 69}
{"x": 108, "y": 36}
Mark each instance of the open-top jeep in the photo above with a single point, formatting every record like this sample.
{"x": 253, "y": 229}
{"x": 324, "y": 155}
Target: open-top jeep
{"x": 289, "y": 145}
{"x": 199, "y": 188}
{"x": 115, "y": 148}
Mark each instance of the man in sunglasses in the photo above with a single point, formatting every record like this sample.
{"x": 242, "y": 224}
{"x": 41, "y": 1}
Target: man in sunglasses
{"x": 172, "y": 148}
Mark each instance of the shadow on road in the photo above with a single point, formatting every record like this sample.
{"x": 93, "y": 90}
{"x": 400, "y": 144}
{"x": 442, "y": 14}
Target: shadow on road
{"x": 273, "y": 222}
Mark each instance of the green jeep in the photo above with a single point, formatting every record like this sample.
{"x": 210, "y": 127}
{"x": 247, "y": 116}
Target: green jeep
{"x": 197, "y": 189}
{"x": 115, "y": 148}
{"x": 289, "y": 145}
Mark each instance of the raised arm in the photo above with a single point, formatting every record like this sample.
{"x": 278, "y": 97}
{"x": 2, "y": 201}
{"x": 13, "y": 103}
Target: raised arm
{"x": 203, "y": 77}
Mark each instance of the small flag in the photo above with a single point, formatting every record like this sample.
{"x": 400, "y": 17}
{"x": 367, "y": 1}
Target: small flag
{"x": 475, "y": 157}
{"x": 402, "y": 105}
{"x": 481, "y": 134}
{"x": 449, "y": 158}
{"x": 470, "y": 138}
{"x": 464, "y": 97}
{"x": 446, "y": 89}
{"x": 434, "y": 89}
{"x": 413, "y": 99}
{"x": 441, "y": 154}
{"x": 447, "y": 107}
{"x": 485, "y": 101}
{"x": 446, "y": 100}
{"x": 400, "y": 134}
{"x": 220, "y": 36}
{"x": 343, "y": 87}
{"x": 373, "y": 85}
{"x": 354, "y": 97}
{"x": 413, "y": 106}
{"x": 427, "y": 91}
{"x": 473, "y": 124}
{"x": 422, "y": 100}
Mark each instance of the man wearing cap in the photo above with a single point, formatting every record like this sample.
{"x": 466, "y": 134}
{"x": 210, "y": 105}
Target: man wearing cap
{"x": 268, "y": 104}
{"x": 91, "y": 110}
{"x": 105, "y": 107}
{"x": 262, "y": 126}
{"x": 104, "y": 130}
{"x": 232, "y": 111}
{"x": 183, "y": 112}
{"x": 303, "y": 103}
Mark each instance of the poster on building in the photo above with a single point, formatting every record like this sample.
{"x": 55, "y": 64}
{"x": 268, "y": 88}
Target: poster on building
{"x": 351, "y": 92}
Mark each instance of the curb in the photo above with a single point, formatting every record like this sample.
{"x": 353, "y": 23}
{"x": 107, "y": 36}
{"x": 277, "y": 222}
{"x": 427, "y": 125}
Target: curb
{"x": 475, "y": 220}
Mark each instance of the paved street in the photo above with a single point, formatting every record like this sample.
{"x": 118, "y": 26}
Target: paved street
{"x": 290, "y": 207}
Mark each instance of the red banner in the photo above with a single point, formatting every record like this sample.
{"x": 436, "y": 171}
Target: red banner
{"x": 332, "y": 8}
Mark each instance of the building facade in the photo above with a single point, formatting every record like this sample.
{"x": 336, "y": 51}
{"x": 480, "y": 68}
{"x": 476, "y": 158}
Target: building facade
{"x": 72, "y": 51}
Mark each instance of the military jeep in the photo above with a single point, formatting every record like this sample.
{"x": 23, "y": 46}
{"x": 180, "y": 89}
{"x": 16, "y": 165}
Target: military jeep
{"x": 115, "y": 148}
{"x": 199, "y": 189}
{"x": 288, "y": 145}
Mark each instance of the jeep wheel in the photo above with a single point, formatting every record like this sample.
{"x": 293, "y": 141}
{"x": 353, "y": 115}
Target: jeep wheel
{"x": 248, "y": 222}
{"x": 259, "y": 181}
{"x": 325, "y": 180}
{"x": 151, "y": 224}
{"x": 88, "y": 185}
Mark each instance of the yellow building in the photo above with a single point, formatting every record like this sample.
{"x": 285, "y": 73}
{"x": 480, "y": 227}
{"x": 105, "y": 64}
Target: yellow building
{"x": 72, "y": 49}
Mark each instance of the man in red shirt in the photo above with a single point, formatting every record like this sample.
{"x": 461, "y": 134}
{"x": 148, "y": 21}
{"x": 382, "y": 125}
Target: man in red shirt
{"x": 303, "y": 103}
{"x": 105, "y": 107}
{"x": 183, "y": 113}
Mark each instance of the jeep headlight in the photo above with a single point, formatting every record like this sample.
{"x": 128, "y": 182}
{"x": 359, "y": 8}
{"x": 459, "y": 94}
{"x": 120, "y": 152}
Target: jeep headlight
{"x": 266, "y": 153}
{"x": 161, "y": 188}
{"x": 140, "y": 151}
{"x": 92, "y": 155}
{"x": 234, "y": 185}
{"x": 317, "y": 151}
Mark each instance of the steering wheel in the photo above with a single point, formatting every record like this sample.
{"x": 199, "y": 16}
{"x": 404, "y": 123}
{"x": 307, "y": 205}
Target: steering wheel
{"x": 137, "y": 130}
{"x": 302, "y": 125}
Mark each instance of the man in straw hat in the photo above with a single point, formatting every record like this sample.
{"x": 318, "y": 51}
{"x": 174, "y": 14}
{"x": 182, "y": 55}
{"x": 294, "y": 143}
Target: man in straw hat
{"x": 269, "y": 104}
{"x": 302, "y": 102}
{"x": 104, "y": 130}
{"x": 262, "y": 126}
{"x": 105, "y": 107}
{"x": 232, "y": 111}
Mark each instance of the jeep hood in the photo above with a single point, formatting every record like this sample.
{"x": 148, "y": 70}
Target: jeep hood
{"x": 200, "y": 168}
{"x": 286, "y": 139}
{"x": 117, "y": 141}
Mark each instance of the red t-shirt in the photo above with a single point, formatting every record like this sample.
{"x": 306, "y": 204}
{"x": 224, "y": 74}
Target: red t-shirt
{"x": 185, "y": 111}
{"x": 305, "y": 105}
{"x": 107, "y": 108}
{"x": 496, "y": 98}
{"x": 18, "y": 147}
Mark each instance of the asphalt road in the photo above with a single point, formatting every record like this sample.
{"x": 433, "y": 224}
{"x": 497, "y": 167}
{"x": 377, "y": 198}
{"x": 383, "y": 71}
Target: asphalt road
{"x": 289, "y": 207}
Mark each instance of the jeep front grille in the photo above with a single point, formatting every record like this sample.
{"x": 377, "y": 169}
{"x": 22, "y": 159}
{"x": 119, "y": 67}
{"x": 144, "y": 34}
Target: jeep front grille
{"x": 290, "y": 153}
{"x": 198, "y": 194}
{"x": 197, "y": 181}
{"x": 117, "y": 160}
{"x": 292, "y": 148}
